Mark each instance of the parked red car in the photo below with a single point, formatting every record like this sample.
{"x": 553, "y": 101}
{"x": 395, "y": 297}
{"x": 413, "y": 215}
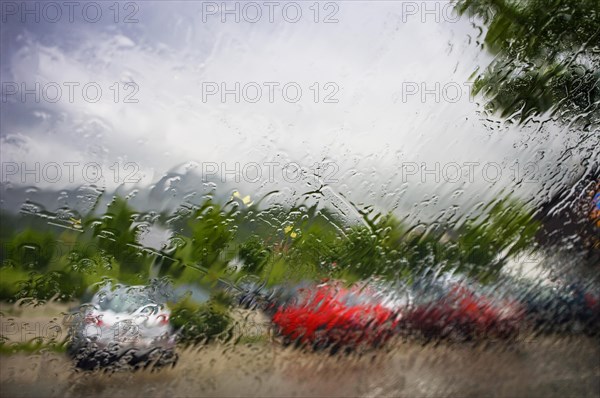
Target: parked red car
{"x": 457, "y": 311}
{"x": 330, "y": 315}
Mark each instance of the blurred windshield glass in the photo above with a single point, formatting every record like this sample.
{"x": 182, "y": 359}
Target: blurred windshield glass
{"x": 218, "y": 157}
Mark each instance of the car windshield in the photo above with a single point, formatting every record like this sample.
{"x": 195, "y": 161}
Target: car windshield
{"x": 235, "y": 175}
{"x": 125, "y": 303}
{"x": 353, "y": 299}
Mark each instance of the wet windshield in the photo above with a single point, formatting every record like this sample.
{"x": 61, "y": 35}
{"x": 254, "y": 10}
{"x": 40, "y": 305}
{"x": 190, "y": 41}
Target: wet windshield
{"x": 125, "y": 304}
{"x": 435, "y": 162}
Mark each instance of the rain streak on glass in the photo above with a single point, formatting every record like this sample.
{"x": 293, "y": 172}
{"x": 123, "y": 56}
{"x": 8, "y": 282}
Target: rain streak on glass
{"x": 312, "y": 198}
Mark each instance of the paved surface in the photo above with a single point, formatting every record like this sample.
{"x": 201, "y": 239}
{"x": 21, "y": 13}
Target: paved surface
{"x": 543, "y": 367}
{"x": 532, "y": 367}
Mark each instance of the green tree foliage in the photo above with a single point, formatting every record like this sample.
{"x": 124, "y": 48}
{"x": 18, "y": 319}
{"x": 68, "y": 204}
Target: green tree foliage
{"x": 30, "y": 267}
{"x": 300, "y": 243}
{"x": 506, "y": 229}
{"x": 200, "y": 323}
{"x": 254, "y": 254}
{"x": 547, "y": 58}
{"x": 208, "y": 248}
{"x": 30, "y": 249}
{"x": 116, "y": 234}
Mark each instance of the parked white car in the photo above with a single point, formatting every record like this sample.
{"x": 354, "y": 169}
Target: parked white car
{"x": 124, "y": 326}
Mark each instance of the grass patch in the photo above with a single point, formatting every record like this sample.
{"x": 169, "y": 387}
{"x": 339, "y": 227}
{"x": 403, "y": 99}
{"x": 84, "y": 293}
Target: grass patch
{"x": 31, "y": 347}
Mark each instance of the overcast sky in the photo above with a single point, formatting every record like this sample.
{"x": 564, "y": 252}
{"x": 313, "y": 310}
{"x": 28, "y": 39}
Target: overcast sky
{"x": 369, "y": 127}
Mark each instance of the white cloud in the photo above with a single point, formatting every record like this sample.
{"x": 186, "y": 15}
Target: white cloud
{"x": 369, "y": 55}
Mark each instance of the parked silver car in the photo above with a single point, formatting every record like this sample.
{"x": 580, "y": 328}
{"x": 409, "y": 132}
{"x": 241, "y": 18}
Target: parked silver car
{"x": 123, "y": 326}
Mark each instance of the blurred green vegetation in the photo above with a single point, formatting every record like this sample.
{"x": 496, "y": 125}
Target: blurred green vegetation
{"x": 221, "y": 244}
{"x": 546, "y": 58}
{"x": 198, "y": 323}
